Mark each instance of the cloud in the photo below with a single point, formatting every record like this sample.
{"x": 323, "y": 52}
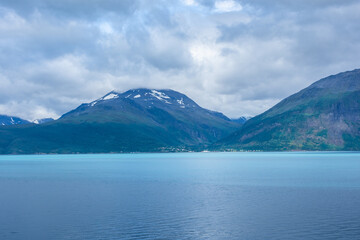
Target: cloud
{"x": 68, "y": 9}
{"x": 237, "y": 57}
{"x": 227, "y": 6}
{"x": 190, "y": 2}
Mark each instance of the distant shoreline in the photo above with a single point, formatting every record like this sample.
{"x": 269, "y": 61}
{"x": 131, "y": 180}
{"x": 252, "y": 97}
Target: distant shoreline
{"x": 185, "y": 152}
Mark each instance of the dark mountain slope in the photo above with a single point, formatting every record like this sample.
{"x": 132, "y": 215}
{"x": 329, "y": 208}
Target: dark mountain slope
{"x": 323, "y": 116}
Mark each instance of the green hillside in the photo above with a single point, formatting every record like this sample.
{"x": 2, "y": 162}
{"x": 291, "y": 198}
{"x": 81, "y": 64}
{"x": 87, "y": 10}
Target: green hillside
{"x": 323, "y": 116}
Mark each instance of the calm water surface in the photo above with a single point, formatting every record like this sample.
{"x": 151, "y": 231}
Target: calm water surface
{"x": 181, "y": 196}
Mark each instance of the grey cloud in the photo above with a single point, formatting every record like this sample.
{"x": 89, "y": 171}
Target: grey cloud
{"x": 297, "y": 6}
{"x": 55, "y": 55}
{"x": 207, "y": 3}
{"x": 72, "y": 9}
{"x": 312, "y": 44}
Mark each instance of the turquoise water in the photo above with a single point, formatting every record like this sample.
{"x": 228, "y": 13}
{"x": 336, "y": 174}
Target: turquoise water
{"x": 181, "y": 196}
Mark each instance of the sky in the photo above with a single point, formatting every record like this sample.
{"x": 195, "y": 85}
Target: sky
{"x": 239, "y": 57}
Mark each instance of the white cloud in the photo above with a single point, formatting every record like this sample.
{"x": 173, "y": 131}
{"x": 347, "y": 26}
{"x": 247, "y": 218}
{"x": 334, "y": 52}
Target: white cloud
{"x": 106, "y": 28}
{"x": 202, "y": 53}
{"x": 190, "y": 2}
{"x": 227, "y": 6}
{"x": 29, "y": 110}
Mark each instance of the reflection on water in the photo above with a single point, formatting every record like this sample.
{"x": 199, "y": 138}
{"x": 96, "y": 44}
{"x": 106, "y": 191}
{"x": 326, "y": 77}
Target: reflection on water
{"x": 181, "y": 196}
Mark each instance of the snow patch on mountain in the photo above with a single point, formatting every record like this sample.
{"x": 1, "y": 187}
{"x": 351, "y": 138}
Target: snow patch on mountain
{"x": 181, "y": 101}
{"x": 110, "y": 96}
{"x": 137, "y": 96}
{"x": 160, "y": 96}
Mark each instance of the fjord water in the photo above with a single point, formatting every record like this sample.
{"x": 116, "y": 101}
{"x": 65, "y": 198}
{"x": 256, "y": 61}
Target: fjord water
{"x": 181, "y": 196}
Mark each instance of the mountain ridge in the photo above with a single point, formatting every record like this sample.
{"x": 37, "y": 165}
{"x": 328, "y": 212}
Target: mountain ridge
{"x": 6, "y": 120}
{"x": 138, "y": 120}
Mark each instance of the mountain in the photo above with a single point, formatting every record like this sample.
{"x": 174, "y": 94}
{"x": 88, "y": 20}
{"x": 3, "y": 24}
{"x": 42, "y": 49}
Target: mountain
{"x": 139, "y": 120}
{"x": 240, "y": 120}
{"x": 43, "y": 120}
{"x": 323, "y": 116}
{"x": 10, "y": 120}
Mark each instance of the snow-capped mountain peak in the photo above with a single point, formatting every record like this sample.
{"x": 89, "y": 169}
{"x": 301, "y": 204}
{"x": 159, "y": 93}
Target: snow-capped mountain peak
{"x": 152, "y": 97}
{"x": 42, "y": 120}
{"x": 148, "y": 98}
